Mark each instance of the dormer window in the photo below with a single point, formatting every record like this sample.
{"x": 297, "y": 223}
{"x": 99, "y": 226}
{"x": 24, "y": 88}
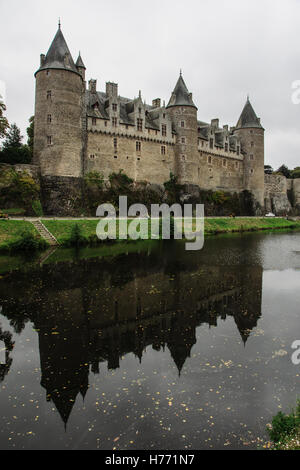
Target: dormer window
{"x": 182, "y": 124}
{"x": 164, "y": 130}
{"x": 114, "y": 122}
{"x": 114, "y": 107}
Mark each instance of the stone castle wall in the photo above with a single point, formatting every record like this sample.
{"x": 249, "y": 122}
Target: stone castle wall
{"x": 112, "y": 152}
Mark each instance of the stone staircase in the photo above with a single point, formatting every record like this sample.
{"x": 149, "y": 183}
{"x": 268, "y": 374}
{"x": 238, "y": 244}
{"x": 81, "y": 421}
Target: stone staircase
{"x": 44, "y": 232}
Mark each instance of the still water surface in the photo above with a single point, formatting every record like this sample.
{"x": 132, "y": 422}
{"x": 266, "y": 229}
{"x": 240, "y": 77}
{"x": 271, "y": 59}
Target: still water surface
{"x": 155, "y": 348}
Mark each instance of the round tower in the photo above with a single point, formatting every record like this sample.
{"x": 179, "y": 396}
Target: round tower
{"x": 58, "y": 112}
{"x": 183, "y": 113}
{"x": 251, "y": 134}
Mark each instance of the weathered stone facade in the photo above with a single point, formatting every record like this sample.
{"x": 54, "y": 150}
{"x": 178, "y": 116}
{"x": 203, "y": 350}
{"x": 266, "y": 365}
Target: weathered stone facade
{"x": 79, "y": 129}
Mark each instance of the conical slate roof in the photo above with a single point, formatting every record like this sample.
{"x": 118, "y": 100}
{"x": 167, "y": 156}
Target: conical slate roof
{"x": 79, "y": 62}
{"x": 248, "y": 117}
{"x": 58, "y": 55}
{"x": 181, "y": 96}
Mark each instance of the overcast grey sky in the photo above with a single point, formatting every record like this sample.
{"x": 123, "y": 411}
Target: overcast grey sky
{"x": 226, "y": 49}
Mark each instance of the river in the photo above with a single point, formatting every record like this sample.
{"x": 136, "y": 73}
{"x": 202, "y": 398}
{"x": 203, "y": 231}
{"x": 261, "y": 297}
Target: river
{"x": 150, "y": 346}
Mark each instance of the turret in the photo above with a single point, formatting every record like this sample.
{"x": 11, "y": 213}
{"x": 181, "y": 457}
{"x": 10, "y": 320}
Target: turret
{"x": 80, "y": 66}
{"x": 183, "y": 114}
{"x": 251, "y": 134}
{"x": 58, "y": 112}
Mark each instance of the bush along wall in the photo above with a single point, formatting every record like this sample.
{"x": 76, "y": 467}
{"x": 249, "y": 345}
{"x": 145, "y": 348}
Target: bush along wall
{"x": 19, "y": 190}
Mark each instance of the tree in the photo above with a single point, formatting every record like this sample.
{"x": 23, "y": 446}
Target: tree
{"x": 12, "y": 150}
{"x": 284, "y": 171}
{"x": 268, "y": 170}
{"x": 295, "y": 173}
{"x": 13, "y": 138}
{"x": 3, "y": 121}
{"x": 30, "y": 134}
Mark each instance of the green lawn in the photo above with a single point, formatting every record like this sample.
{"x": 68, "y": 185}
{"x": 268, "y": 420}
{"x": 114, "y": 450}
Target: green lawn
{"x": 61, "y": 229}
{"x": 237, "y": 224}
{"x": 10, "y": 230}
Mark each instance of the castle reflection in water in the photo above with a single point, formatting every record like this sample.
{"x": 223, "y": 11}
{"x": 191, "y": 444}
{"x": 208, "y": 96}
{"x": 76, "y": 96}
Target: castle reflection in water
{"x": 88, "y": 312}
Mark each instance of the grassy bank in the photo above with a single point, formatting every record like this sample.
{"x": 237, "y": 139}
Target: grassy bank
{"x": 19, "y": 235}
{"x": 11, "y": 231}
{"x": 246, "y": 224}
{"x": 62, "y": 229}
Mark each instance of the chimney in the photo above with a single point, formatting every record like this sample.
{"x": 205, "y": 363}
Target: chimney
{"x": 112, "y": 89}
{"x": 156, "y": 103}
{"x": 215, "y": 122}
{"x": 93, "y": 86}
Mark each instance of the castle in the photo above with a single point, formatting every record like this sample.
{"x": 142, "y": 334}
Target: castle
{"x": 79, "y": 129}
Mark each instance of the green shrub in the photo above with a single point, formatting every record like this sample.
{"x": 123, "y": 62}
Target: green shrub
{"x": 28, "y": 242}
{"x": 94, "y": 179}
{"x": 76, "y": 238}
{"x": 37, "y": 208}
{"x": 284, "y": 425}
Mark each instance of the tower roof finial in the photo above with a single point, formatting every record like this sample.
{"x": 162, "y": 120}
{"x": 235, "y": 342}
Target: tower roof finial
{"x": 59, "y": 23}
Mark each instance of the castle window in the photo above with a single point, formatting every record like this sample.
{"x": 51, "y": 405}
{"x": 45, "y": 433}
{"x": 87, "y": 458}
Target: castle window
{"x": 237, "y": 164}
{"x": 226, "y": 147}
{"x": 182, "y": 124}
{"x": 251, "y": 171}
{"x": 115, "y": 156}
{"x": 139, "y": 124}
{"x": 183, "y": 157}
{"x": 183, "y": 140}
{"x": 251, "y": 157}
{"x": 163, "y": 150}
{"x": 92, "y": 157}
{"x": 140, "y": 110}
{"x": 49, "y": 119}
{"x": 238, "y": 150}
{"x": 115, "y": 142}
{"x": 252, "y": 144}
{"x": 105, "y": 123}
{"x": 138, "y": 146}
{"x": 49, "y": 94}
{"x": 224, "y": 162}
{"x": 164, "y": 130}
{"x": 114, "y": 107}
{"x": 114, "y": 122}
{"x": 211, "y": 143}
{"x": 94, "y": 121}
{"x": 49, "y": 140}
{"x": 164, "y": 116}
{"x": 209, "y": 159}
